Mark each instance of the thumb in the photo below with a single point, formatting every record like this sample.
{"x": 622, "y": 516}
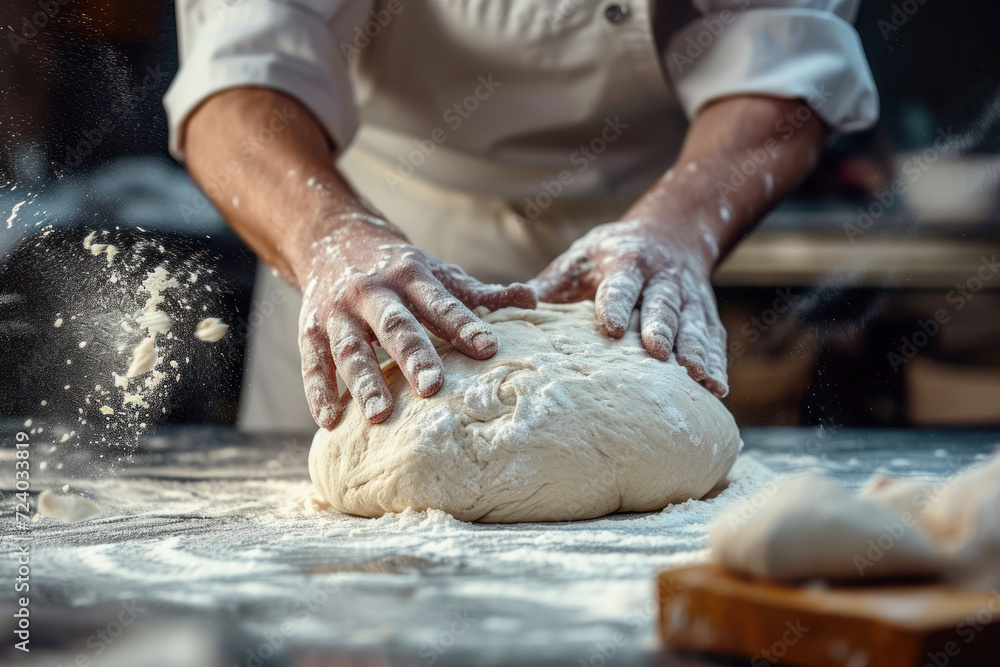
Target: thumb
{"x": 561, "y": 282}
{"x": 474, "y": 293}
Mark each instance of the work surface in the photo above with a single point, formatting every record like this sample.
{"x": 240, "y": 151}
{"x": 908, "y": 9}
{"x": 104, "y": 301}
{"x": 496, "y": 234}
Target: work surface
{"x": 204, "y": 541}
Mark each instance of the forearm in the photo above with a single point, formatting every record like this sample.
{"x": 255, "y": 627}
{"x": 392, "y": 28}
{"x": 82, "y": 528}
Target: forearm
{"x": 266, "y": 164}
{"x": 741, "y": 157}
{"x": 363, "y": 283}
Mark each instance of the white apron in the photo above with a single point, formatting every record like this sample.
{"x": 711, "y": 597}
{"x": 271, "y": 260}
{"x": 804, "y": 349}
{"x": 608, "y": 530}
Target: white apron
{"x": 495, "y": 132}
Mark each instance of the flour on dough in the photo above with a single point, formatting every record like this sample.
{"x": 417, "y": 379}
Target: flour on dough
{"x": 563, "y": 423}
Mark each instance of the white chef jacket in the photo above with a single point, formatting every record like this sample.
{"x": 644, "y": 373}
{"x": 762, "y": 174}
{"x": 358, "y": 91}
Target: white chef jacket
{"x": 560, "y": 70}
{"x": 567, "y": 105}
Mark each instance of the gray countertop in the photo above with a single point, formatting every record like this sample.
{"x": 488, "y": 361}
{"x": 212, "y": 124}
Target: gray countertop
{"x": 204, "y": 539}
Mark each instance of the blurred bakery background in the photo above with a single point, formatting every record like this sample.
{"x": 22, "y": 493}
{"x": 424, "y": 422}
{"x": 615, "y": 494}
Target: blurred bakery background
{"x": 870, "y": 299}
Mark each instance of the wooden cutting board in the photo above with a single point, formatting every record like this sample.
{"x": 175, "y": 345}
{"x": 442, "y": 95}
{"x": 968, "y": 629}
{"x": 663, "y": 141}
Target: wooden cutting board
{"x": 706, "y": 608}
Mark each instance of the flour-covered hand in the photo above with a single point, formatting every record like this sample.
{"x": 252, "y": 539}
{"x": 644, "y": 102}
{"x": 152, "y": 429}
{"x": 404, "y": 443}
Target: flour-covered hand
{"x": 622, "y": 263}
{"x": 365, "y": 284}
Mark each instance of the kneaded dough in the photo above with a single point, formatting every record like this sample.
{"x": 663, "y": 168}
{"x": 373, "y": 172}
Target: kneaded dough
{"x": 965, "y": 519}
{"x": 562, "y": 424}
{"x": 809, "y": 527}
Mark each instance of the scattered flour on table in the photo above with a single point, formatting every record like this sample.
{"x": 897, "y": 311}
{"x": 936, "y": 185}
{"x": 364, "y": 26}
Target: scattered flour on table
{"x": 204, "y": 538}
{"x": 618, "y": 545}
{"x": 206, "y": 541}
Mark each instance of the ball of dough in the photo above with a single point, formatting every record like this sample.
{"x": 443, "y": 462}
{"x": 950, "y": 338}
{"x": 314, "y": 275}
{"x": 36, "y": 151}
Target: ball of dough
{"x": 809, "y": 527}
{"x": 563, "y": 423}
{"x": 964, "y": 517}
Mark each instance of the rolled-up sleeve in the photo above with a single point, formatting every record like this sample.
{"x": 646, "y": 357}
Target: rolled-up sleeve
{"x": 297, "y": 48}
{"x": 791, "y": 49}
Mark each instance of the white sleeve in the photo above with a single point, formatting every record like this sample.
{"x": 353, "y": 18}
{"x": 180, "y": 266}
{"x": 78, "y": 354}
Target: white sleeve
{"x": 298, "y": 47}
{"x": 782, "y": 48}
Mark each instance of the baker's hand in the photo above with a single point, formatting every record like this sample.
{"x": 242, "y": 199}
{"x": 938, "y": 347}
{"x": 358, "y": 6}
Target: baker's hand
{"x": 365, "y": 285}
{"x": 618, "y": 263}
